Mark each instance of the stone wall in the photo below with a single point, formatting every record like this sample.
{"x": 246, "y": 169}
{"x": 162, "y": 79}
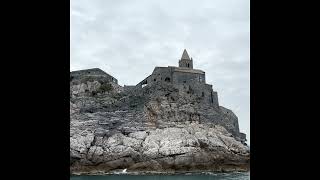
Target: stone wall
{"x": 170, "y": 75}
{"x": 162, "y": 74}
{"x": 203, "y": 91}
{"x": 185, "y": 81}
{"x": 185, "y": 77}
{"x": 131, "y": 89}
{"x": 186, "y": 63}
{"x": 92, "y": 72}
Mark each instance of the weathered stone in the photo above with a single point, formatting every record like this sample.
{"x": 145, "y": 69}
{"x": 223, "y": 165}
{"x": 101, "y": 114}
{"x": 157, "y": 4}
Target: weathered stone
{"x": 168, "y": 124}
{"x": 151, "y": 165}
{"x": 141, "y": 135}
{"x": 121, "y": 163}
{"x": 115, "y": 140}
{"x": 94, "y": 151}
{"x": 152, "y": 153}
{"x": 132, "y": 142}
{"x": 183, "y": 160}
{"x": 81, "y": 143}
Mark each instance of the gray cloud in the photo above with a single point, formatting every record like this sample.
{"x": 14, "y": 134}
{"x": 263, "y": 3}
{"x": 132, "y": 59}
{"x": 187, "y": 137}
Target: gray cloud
{"x": 128, "y": 38}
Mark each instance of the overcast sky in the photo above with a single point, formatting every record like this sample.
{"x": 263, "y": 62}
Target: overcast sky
{"x": 128, "y": 38}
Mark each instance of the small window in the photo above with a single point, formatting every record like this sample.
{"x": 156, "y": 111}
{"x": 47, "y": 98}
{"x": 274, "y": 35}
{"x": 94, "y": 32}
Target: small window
{"x": 188, "y": 64}
{"x": 154, "y": 80}
{"x": 184, "y": 81}
{"x": 202, "y": 94}
{"x": 167, "y": 79}
{"x": 200, "y": 79}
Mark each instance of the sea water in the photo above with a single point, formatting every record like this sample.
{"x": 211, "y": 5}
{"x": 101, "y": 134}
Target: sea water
{"x": 211, "y": 176}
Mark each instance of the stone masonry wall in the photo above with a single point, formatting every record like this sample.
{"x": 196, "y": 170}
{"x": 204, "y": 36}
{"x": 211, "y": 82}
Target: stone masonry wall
{"x": 92, "y": 72}
{"x": 184, "y": 77}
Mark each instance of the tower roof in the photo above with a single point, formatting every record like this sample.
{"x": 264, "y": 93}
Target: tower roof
{"x": 185, "y": 55}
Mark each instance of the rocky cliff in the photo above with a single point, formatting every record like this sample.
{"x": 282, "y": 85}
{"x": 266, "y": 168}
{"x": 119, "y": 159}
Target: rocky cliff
{"x": 155, "y": 128}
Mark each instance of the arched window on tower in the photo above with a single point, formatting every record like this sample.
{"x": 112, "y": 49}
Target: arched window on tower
{"x": 167, "y": 79}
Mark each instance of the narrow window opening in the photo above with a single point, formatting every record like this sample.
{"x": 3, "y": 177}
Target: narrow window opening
{"x": 200, "y": 78}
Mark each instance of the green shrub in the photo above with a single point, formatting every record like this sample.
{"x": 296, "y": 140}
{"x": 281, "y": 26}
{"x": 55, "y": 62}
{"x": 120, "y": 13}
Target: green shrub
{"x": 105, "y": 88}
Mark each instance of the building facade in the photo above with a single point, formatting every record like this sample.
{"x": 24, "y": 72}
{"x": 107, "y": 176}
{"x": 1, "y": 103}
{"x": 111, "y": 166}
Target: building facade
{"x": 183, "y": 77}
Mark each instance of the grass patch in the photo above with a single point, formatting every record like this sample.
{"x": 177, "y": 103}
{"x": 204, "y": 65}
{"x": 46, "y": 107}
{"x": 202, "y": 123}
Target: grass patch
{"x": 105, "y": 87}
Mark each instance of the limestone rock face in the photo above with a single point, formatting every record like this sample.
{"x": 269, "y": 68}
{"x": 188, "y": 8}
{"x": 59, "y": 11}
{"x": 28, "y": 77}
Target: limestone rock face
{"x": 158, "y": 128}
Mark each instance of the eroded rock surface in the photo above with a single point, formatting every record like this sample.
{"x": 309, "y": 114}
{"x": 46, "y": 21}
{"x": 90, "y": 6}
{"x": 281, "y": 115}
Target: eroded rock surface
{"x": 159, "y": 128}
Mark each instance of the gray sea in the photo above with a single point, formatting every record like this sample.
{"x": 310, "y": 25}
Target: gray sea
{"x": 217, "y": 176}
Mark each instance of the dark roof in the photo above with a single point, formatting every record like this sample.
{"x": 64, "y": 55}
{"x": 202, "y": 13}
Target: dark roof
{"x": 185, "y": 55}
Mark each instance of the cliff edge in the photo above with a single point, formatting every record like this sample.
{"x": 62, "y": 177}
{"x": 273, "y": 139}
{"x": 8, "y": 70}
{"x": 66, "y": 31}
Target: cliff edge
{"x": 161, "y": 128}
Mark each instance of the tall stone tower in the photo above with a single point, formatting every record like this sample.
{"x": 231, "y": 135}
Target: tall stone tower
{"x": 185, "y": 61}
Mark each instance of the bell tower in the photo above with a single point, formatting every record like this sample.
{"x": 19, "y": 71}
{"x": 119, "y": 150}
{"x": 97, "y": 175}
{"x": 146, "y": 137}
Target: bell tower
{"x": 185, "y": 60}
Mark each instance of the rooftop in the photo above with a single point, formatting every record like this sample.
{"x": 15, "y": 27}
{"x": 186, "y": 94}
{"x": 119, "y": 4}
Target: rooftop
{"x": 185, "y": 55}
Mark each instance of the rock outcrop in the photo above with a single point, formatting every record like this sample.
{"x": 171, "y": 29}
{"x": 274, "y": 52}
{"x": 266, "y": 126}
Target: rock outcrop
{"x": 155, "y": 128}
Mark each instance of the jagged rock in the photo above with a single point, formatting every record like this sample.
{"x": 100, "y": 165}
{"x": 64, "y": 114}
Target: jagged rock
{"x": 132, "y": 142}
{"x": 151, "y": 165}
{"x": 95, "y": 154}
{"x": 115, "y": 140}
{"x": 141, "y": 135}
{"x": 81, "y": 143}
{"x": 151, "y": 153}
{"x": 157, "y": 128}
{"x": 120, "y": 163}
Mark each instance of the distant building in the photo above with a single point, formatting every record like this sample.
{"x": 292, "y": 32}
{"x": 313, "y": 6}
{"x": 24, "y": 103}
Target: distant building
{"x": 96, "y": 72}
{"x": 183, "y": 76}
